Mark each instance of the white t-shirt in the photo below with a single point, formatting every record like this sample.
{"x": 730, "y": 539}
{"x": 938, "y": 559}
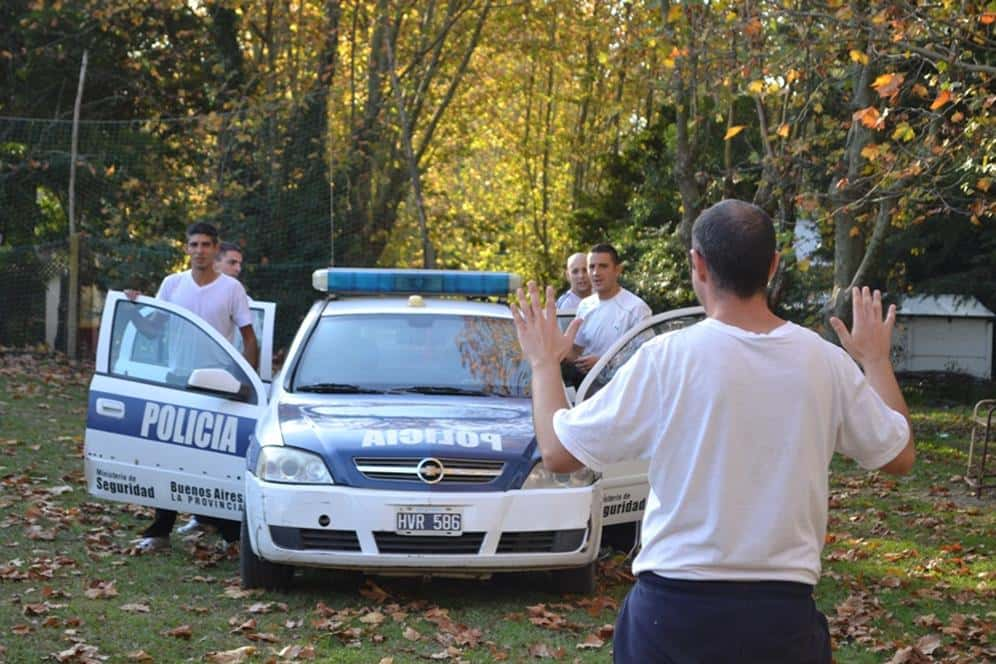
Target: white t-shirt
{"x": 605, "y": 321}
{"x": 568, "y": 300}
{"x": 223, "y": 304}
{"x": 739, "y": 429}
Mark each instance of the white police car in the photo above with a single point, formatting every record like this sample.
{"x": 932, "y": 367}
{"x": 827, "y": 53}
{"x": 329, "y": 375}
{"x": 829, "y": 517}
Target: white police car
{"x": 397, "y": 439}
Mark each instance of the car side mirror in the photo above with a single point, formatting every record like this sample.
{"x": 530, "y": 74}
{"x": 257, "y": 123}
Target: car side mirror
{"x": 214, "y": 380}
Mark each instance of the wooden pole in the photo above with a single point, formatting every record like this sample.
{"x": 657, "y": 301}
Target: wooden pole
{"x": 73, "y": 312}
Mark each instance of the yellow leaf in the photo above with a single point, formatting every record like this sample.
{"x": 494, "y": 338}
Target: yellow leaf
{"x": 755, "y": 87}
{"x": 803, "y": 265}
{"x": 920, "y": 91}
{"x": 904, "y": 132}
{"x": 870, "y": 152}
{"x": 888, "y": 84}
{"x": 943, "y": 97}
{"x": 783, "y": 130}
{"x": 859, "y": 56}
{"x": 854, "y": 232}
{"x": 792, "y": 76}
{"x": 983, "y": 184}
{"x": 957, "y": 116}
{"x": 669, "y": 63}
{"x": 674, "y": 13}
{"x": 733, "y": 131}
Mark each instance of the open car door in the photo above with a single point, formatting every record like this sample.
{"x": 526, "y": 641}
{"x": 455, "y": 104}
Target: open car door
{"x": 172, "y": 407}
{"x": 263, "y": 315}
{"x": 624, "y": 485}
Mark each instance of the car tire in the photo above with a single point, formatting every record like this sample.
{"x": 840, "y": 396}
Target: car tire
{"x": 259, "y": 573}
{"x": 577, "y": 580}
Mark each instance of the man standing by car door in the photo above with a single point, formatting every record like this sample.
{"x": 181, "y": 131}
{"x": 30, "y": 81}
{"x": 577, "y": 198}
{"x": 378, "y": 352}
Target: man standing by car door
{"x": 738, "y": 416}
{"x": 222, "y": 302}
{"x": 577, "y": 277}
{"x": 608, "y": 313}
{"x": 228, "y": 261}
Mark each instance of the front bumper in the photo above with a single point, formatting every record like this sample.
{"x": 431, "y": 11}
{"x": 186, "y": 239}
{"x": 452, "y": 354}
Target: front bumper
{"x": 502, "y": 531}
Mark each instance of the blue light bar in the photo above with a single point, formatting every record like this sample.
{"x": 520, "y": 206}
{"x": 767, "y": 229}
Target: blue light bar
{"x": 376, "y": 281}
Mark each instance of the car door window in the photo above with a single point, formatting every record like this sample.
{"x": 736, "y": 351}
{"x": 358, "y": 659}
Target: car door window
{"x": 617, "y": 356}
{"x": 564, "y": 318}
{"x": 154, "y": 345}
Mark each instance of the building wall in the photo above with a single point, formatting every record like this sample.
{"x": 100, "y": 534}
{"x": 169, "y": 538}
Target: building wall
{"x": 963, "y": 345}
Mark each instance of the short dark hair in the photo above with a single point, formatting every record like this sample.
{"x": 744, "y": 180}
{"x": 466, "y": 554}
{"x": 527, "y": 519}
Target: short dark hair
{"x": 225, "y": 247}
{"x": 606, "y": 248}
{"x": 202, "y": 228}
{"x": 737, "y": 240}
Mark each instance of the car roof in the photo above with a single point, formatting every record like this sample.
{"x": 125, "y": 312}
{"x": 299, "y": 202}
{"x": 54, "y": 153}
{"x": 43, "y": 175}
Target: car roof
{"x": 400, "y": 305}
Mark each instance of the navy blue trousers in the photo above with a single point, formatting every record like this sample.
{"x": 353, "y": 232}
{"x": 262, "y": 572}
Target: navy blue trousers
{"x": 700, "y": 622}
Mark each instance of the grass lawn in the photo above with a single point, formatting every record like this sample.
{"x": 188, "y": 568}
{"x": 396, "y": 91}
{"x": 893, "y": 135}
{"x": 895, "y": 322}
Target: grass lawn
{"x": 909, "y": 574}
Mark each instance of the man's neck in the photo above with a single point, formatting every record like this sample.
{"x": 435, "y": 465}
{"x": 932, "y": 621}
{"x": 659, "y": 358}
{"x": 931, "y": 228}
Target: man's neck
{"x": 751, "y": 314}
{"x": 609, "y": 295}
{"x": 202, "y": 277}
{"x": 580, "y": 294}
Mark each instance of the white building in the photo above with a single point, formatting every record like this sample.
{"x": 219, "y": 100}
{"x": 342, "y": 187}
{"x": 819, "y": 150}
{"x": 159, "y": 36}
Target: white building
{"x": 944, "y": 333}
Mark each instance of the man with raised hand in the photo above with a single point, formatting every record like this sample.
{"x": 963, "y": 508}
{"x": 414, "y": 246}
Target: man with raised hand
{"x": 608, "y": 313}
{"x": 577, "y": 277}
{"x": 738, "y": 417}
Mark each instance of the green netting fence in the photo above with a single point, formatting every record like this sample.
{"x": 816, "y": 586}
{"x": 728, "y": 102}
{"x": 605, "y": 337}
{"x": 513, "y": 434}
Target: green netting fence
{"x": 260, "y": 179}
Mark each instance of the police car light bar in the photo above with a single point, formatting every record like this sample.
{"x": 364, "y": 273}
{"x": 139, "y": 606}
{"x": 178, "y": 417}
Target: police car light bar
{"x": 367, "y": 281}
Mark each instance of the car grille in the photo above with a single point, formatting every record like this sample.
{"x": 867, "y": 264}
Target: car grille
{"x": 541, "y": 541}
{"x": 457, "y": 471}
{"x": 314, "y": 539}
{"x": 467, "y": 543}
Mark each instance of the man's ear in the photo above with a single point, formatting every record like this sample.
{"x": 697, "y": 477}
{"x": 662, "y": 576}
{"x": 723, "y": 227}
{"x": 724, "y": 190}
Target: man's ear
{"x": 699, "y": 265}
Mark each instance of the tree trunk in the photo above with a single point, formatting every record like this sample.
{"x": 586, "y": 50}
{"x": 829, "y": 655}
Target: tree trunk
{"x": 846, "y": 192}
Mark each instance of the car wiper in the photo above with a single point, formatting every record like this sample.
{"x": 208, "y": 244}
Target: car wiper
{"x": 336, "y": 388}
{"x": 442, "y": 389}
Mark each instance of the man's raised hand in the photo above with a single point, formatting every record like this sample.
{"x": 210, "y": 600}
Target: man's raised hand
{"x": 870, "y": 338}
{"x": 537, "y": 329}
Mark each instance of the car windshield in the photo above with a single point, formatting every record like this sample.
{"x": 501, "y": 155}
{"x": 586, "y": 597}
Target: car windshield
{"x": 413, "y": 353}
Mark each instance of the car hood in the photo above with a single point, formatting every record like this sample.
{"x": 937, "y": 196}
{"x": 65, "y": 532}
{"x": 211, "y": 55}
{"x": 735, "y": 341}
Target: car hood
{"x": 345, "y": 428}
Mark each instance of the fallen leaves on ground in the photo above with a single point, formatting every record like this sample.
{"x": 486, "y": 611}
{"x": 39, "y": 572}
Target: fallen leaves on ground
{"x": 181, "y": 632}
{"x": 236, "y": 656}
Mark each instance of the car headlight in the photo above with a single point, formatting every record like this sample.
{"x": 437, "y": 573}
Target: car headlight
{"x": 277, "y": 463}
{"x": 541, "y": 478}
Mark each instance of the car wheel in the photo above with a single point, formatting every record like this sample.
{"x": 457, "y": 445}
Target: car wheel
{"x": 577, "y": 580}
{"x": 259, "y": 573}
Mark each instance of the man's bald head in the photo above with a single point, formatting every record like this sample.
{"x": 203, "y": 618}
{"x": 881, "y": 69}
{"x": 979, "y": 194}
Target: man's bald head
{"x": 577, "y": 274}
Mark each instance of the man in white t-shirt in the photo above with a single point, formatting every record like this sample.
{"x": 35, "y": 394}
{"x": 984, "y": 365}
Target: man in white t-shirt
{"x": 577, "y": 277}
{"x": 738, "y": 417}
{"x": 608, "y": 313}
{"x": 222, "y": 302}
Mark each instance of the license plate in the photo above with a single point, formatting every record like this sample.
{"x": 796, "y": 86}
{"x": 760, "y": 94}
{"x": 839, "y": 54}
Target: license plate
{"x": 428, "y": 521}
